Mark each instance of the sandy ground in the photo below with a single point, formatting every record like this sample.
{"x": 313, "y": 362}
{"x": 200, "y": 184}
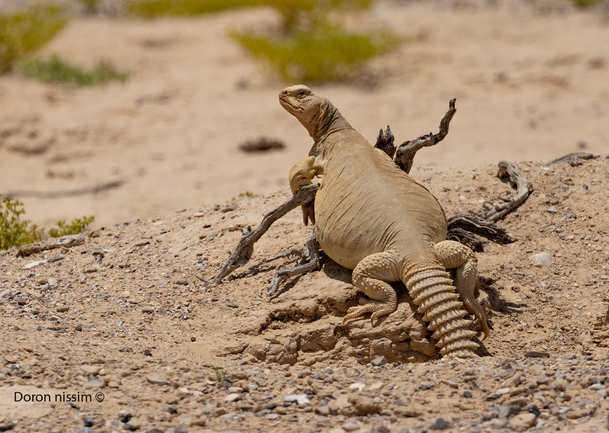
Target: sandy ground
{"x": 125, "y": 315}
{"x": 122, "y": 334}
{"x": 529, "y": 86}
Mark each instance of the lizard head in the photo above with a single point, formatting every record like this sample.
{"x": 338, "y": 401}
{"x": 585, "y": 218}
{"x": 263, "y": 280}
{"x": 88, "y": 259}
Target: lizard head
{"x": 314, "y": 112}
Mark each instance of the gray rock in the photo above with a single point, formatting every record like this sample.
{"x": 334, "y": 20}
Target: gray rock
{"x": 439, "y": 424}
{"x": 351, "y": 426}
{"x": 425, "y": 386}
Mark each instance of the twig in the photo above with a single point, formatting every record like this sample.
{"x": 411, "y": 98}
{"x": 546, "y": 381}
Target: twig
{"x": 311, "y": 262}
{"x": 573, "y": 158}
{"x": 66, "y": 193}
{"x": 404, "y": 156}
{"x": 241, "y": 255}
{"x": 523, "y": 189}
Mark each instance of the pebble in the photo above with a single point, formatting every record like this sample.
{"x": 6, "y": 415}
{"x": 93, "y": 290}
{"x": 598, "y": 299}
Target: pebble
{"x": 156, "y": 379}
{"x": 351, "y": 426}
{"x": 524, "y": 420}
{"x": 439, "y": 424}
{"x": 357, "y": 385}
{"x": 379, "y": 361}
{"x": 425, "y": 385}
{"x": 82, "y": 430}
{"x": 542, "y": 260}
{"x": 90, "y": 369}
{"x": 62, "y": 308}
{"x": 298, "y": 398}
{"x": 148, "y": 310}
{"x": 272, "y": 416}
{"x": 232, "y": 397}
{"x": 182, "y": 282}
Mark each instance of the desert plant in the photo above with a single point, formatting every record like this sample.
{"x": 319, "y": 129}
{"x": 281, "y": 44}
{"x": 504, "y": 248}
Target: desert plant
{"x": 586, "y": 3}
{"x": 23, "y": 33}
{"x": 329, "y": 53}
{"x": 15, "y": 232}
{"x": 159, "y": 8}
{"x": 73, "y": 228}
{"x": 56, "y": 70}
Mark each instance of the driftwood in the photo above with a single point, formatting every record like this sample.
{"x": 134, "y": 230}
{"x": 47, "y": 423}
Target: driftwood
{"x": 573, "y": 158}
{"x": 462, "y": 228}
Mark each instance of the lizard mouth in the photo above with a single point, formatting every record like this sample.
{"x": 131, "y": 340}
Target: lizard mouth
{"x": 287, "y": 104}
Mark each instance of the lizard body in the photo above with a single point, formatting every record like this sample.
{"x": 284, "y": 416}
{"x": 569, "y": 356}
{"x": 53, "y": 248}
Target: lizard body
{"x": 373, "y": 218}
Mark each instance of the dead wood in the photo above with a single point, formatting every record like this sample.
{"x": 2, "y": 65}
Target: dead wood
{"x": 524, "y": 188}
{"x": 404, "y": 156}
{"x": 241, "y": 255}
{"x": 574, "y": 159}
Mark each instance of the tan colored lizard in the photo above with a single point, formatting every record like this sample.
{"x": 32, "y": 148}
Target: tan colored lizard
{"x": 373, "y": 218}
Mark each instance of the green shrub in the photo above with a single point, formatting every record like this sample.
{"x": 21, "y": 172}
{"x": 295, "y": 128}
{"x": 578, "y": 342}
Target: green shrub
{"x": 159, "y": 8}
{"x": 13, "y": 231}
{"x": 56, "y": 70}
{"x": 328, "y": 53}
{"x": 73, "y": 228}
{"x": 586, "y": 3}
{"x": 23, "y": 33}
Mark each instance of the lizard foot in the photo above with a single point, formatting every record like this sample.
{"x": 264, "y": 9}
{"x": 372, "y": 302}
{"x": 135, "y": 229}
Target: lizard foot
{"x": 377, "y": 309}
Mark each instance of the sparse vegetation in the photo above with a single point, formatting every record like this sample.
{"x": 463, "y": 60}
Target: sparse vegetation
{"x": 312, "y": 47}
{"x": 586, "y": 3}
{"x": 243, "y": 195}
{"x": 177, "y": 8}
{"x": 327, "y": 54}
{"x": 75, "y": 227}
{"x": 15, "y": 232}
{"x": 23, "y": 33}
{"x": 56, "y": 70}
{"x": 222, "y": 375}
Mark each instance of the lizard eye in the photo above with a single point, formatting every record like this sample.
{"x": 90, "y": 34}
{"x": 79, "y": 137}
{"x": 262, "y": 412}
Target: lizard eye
{"x": 301, "y": 94}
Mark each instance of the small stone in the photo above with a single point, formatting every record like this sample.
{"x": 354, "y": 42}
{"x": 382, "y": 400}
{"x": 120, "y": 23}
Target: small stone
{"x": 142, "y": 243}
{"x": 232, "y": 397}
{"x": 524, "y": 420}
{"x": 156, "y": 379}
{"x": 52, "y": 282}
{"x": 535, "y": 354}
{"x": 542, "y": 260}
{"x": 542, "y": 380}
{"x": 235, "y": 389}
{"x": 298, "y": 398}
{"x": 425, "y": 386}
{"x": 181, "y": 428}
{"x": 90, "y": 369}
{"x": 80, "y": 430}
{"x": 439, "y": 424}
{"x": 376, "y": 386}
{"x": 467, "y": 394}
{"x": 272, "y": 416}
{"x": 552, "y": 209}
{"x": 450, "y": 383}
{"x": 182, "y": 282}
{"x": 62, "y": 308}
{"x": 232, "y": 304}
{"x": 357, "y": 385}
{"x": 379, "y": 361}
{"x": 78, "y": 327}
{"x": 350, "y": 426}
{"x": 148, "y": 310}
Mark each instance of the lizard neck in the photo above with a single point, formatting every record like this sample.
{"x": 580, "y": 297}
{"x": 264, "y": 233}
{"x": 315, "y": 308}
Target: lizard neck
{"x": 325, "y": 122}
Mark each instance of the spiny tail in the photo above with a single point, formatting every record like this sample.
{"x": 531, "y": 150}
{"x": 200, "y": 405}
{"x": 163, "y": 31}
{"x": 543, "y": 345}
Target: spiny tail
{"x": 434, "y": 295}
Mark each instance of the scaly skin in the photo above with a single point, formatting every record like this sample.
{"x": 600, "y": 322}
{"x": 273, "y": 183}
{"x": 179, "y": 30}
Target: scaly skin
{"x": 375, "y": 219}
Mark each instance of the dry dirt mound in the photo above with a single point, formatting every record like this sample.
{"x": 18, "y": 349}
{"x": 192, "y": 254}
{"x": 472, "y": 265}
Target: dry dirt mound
{"x": 124, "y": 317}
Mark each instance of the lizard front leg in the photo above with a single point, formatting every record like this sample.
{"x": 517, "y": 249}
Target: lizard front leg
{"x": 300, "y": 175}
{"x": 454, "y": 255}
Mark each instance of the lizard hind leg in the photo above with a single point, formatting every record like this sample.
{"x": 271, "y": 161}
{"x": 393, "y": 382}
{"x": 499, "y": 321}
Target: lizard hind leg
{"x": 454, "y": 255}
{"x": 370, "y": 276}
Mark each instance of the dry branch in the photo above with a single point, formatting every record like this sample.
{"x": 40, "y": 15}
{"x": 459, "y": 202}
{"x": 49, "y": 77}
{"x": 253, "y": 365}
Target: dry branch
{"x": 66, "y": 193}
{"x": 241, "y": 255}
